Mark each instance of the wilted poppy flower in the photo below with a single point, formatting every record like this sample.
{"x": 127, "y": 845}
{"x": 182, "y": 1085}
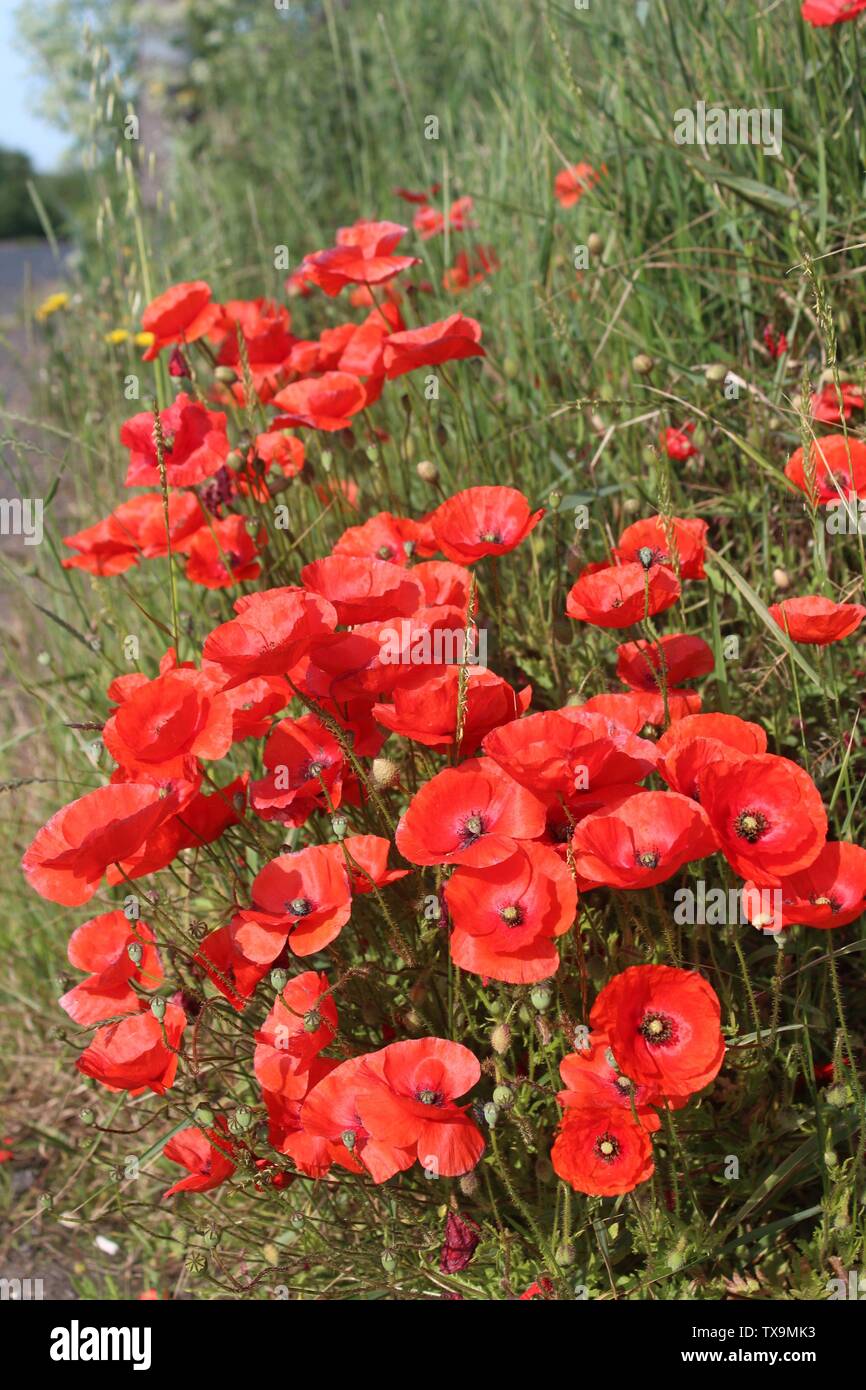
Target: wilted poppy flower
{"x": 693, "y": 742}
{"x": 181, "y": 314}
{"x": 622, "y": 595}
{"x": 425, "y": 707}
{"x": 602, "y": 1153}
{"x": 678, "y": 442}
{"x": 304, "y": 765}
{"x": 137, "y": 1054}
{"x": 100, "y": 947}
{"x": 274, "y": 629}
{"x": 766, "y": 811}
{"x": 663, "y": 1027}
{"x": 839, "y": 464}
{"x": 449, "y": 340}
{"x": 362, "y": 589}
{"x": 824, "y": 404}
{"x": 321, "y": 403}
{"x": 572, "y": 182}
{"x": 195, "y": 444}
{"x": 302, "y": 1021}
{"x": 569, "y": 750}
{"x": 816, "y": 620}
{"x": 363, "y": 256}
{"x": 594, "y": 1082}
{"x": 642, "y": 841}
{"x": 830, "y": 893}
{"x": 70, "y": 854}
{"x": 507, "y": 915}
{"x": 304, "y": 897}
{"x": 471, "y": 814}
{"x": 166, "y": 723}
{"x": 413, "y": 1106}
{"x": 823, "y": 12}
{"x": 675, "y": 658}
{"x": 483, "y": 521}
{"x": 647, "y": 543}
{"x": 206, "y": 1155}
{"x": 459, "y": 1243}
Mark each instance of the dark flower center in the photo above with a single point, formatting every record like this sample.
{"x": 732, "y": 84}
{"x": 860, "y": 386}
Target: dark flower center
{"x": 473, "y": 829}
{"x": 833, "y": 903}
{"x": 385, "y": 552}
{"x": 512, "y": 915}
{"x": 491, "y": 537}
{"x": 428, "y": 1097}
{"x": 607, "y": 1147}
{"x": 300, "y": 907}
{"x": 647, "y": 557}
{"x": 649, "y": 859}
{"x": 657, "y": 1029}
{"x": 751, "y": 825}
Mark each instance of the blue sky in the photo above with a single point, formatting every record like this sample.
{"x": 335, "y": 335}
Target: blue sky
{"x": 20, "y": 128}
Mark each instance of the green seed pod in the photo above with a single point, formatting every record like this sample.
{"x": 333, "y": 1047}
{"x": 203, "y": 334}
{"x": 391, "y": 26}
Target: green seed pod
{"x": 279, "y": 979}
{"x": 157, "y": 1008}
{"x": 339, "y": 825}
{"x": 389, "y": 1261}
{"x": 642, "y": 364}
{"x": 541, "y": 998}
{"x": 135, "y": 952}
{"x": 503, "y": 1096}
{"x": 204, "y": 1116}
{"x": 491, "y": 1113}
{"x": 312, "y": 1021}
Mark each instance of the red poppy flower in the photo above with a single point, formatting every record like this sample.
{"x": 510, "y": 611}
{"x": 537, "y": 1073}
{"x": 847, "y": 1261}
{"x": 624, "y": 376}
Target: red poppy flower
{"x": 443, "y": 582}
{"x": 775, "y": 343}
{"x": 428, "y": 222}
{"x": 181, "y": 314}
{"x": 330, "y": 1111}
{"x": 198, "y": 821}
{"x": 166, "y": 723}
{"x": 265, "y": 327}
{"x": 70, "y": 854}
{"x": 831, "y": 892}
{"x": 569, "y": 750}
{"x": 374, "y": 658}
{"x": 185, "y": 518}
{"x": 824, "y": 404}
{"x": 274, "y": 449}
{"x": 647, "y": 542}
{"x": 816, "y": 620}
{"x": 470, "y": 268}
{"x": 362, "y": 589}
{"x": 225, "y": 553}
{"x": 195, "y": 444}
{"x": 425, "y": 707}
{"x": 766, "y": 811}
{"x": 363, "y": 256}
{"x": 100, "y": 947}
{"x": 675, "y": 658}
{"x": 471, "y": 814}
{"x": 300, "y": 757}
{"x": 644, "y": 711}
{"x": 232, "y": 972}
{"x": 678, "y": 442}
{"x": 310, "y": 1153}
{"x": 602, "y": 1153}
{"x": 823, "y": 12}
{"x": 137, "y": 1054}
{"x": 413, "y": 1106}
{"x": 384, "y": 537}
{"x": 302, "y": 1021}
{"x": 839, "y": 463}
{"x": 663, "y": 1027}
{"x": 134, "y": 529}
{"x": 572, "y": 182}
{"x": 594, "y": 1082}
{"x": 321, "y": 403}
{"x": 272, "y": 632}
{"x": 483, "y": 521}
{"x": 507, "y": 915}
{"x": 690, "y": 744}
{"x": 449, "y": 340}
{"x": 622, "y": 595}
{"x": 642, "y": 841}
{"x": 304, "y": 897}
{"x": 206, "y": 1156}
{"x": 367, "y": 864}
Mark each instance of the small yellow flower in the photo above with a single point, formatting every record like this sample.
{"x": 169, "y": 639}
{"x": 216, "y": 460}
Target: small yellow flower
{"x": 51, "y": 305}
{"x": 117, "y": 335}
{"x": 143, "y": 339}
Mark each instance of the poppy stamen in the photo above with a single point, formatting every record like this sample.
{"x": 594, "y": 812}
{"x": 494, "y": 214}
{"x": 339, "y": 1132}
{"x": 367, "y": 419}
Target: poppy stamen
{"x": 428, "y": 1097}
{"x": 648, "y": 859}
{"x": 657, "y": 1029}
{"x": 491, "y": 538}
{"x": 607, "y": 1147}
{"x": 300, "y": 907}
{"x": 473, "y": 829}
{"x": 512, "y": 915}
{"x": 751, "y": 825}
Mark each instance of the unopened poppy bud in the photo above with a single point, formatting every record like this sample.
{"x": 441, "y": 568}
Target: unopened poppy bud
{"x": 500, "y": 1038}
{"x": 134, "y": 951}
{"x": 469, "y": 1184}
{"x": 86, "y": 1116}
{"x": 491, "y": 1113}
{"x": 427, "y": 471}
{"x": 594, "y": 244}
{"x": 157, "y": 1008}
{"x": 226, "y": 375}
{"x": 565, "y": 1255}
{"x": 540, "y": 998}
{"x": 339, "y": 825}
{"x": 177, "y": 365}
{"x": 836, "y": 1096}
{"x": 204, "y": 1115}
{"x": 642, "y": 364}
{"x": 511, "y": 368}
{"x": 554, "y": 501}
{"x": 384, "y": 772}
{"x": 242, "y": 1118}
{"x": 781, "y": 579}
{"x": 716, "y": 372}
{"x": 389, "y": 1261}
{"x": 503, "y": 1096}
{"x": 297, "y": 1219}
{"x": 312, "y": 1021}
{"x": 279, "y": 979}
